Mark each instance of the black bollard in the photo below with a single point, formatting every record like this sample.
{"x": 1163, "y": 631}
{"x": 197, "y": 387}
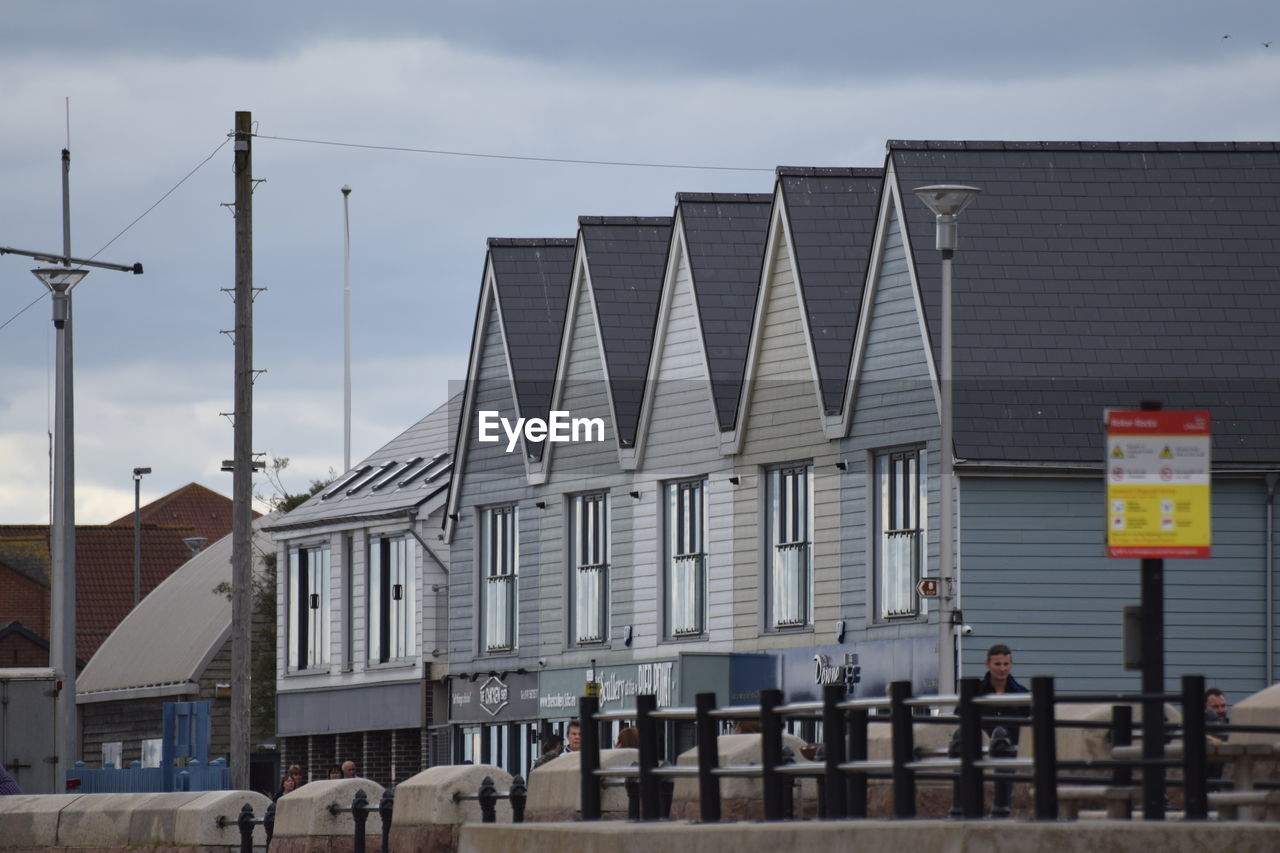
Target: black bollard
{"x": 519, "y": 795}
{"x": 488, "y": 800}
{"x": 360, "y": 815}
{"x": 245, "y": 824}
{"x": 386, "y": 810}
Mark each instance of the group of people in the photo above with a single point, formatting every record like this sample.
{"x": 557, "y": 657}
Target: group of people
{"x": 293, "y": 778}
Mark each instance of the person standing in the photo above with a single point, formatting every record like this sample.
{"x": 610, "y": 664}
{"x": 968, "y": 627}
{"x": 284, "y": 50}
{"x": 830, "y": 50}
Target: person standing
{"x": 1215, "y": 713}
{"x": 999, "y": 680}
{"x": 348, "y": 769}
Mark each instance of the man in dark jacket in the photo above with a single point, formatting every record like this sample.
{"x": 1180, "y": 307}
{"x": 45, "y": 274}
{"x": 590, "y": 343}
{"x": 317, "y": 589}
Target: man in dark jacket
{"x": 999, "y": 679}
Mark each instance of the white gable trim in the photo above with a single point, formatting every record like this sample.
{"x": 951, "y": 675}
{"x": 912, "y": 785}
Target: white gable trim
{"x": 890, "y": 204}
{"x": 677, "y": 253}
{"x": 779, "y": 231}
{"x": 469, "y": 398}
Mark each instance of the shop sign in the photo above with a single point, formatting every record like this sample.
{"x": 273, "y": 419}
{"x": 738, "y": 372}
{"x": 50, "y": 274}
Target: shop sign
{"x": 559, "y": 690}
{"x": 493, "y": 698}
{"x": 865, "y": 669}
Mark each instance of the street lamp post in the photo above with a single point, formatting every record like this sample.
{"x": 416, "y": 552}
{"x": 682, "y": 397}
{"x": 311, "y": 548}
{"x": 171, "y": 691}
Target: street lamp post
{"x": 946, "y": 201}
{"x": 137, "y": 533}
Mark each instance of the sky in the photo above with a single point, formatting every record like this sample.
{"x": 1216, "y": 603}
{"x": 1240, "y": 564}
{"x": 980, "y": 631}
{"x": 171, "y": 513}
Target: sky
{"x": 147, "y": 90}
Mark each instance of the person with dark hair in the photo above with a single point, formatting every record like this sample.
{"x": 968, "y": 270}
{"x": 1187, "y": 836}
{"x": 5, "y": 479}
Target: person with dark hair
{"x": 1215, "y": 712}
{"x": 552, "y": 747}
{"x": 335, "y": 772}
{"x": 998, "y": 680}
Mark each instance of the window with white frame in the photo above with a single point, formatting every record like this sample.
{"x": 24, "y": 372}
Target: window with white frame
{"x": 590, "y": 567}
{"x": 499, "y": 575}
{"x": 391, "y": 599}
{"x": 686, "y": 559}
{"x": 308, "y": 608}
{"x": 790, "y": 545}
{"x": 113, "y": 754}
{"x": 900, "y": 480}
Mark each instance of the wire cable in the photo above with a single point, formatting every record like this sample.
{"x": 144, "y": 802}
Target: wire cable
{"x": 131, "y": 224}
{"x": 525, "y": 158}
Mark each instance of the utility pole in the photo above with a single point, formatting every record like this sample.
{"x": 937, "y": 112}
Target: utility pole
{"x": 60, "y": 280}
{"x": 242, "y": 471}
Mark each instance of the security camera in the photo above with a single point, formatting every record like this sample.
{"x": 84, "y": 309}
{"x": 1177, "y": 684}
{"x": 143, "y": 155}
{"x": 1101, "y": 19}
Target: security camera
{"x": 542, "y": 661}
{"x": 966, "y": 629}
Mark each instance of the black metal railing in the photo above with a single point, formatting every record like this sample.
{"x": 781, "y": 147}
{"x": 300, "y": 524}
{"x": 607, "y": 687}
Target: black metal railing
{"x": 245, "y": 822}
{"x": 843, "y": 769}
{"x": 488, "y": 796}
{"x": 360, "y": 809}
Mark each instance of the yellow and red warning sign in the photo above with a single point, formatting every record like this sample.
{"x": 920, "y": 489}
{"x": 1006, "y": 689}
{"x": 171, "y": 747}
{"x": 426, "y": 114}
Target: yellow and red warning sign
{"x": 1158, "y": 484}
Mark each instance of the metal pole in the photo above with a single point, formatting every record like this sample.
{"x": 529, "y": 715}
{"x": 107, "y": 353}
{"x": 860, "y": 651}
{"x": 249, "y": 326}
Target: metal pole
{"x": 1044, "y": 739}
{"x": 970, "y": 776}
{"x": 1153, "y": 793}
{"x": 1194, "y": 761}
{"x": 137, "y": 539}
{"x": 946, "y": 526}
{"x": 771, "y": 753}
{"x": 708, "y": 758}
{"x": 646, "y": 704}
{"x": 833, "y": 751}
{"x": 242, "y": 472}
{"x": 589, "y": 761}
{"x": 346, "y": 330}
{"x": 903, "y": 748}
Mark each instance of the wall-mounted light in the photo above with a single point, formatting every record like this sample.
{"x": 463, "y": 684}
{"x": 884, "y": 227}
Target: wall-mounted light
{"x": 453, "y": 516}
{"x": 541, "y": 504}
{"x": 635, "y": 495}
{"x": 626, "y": 635}
{"x": 842, "y": 465}
{"x": 840, "y": 627}
{"x": 735, "y": 480}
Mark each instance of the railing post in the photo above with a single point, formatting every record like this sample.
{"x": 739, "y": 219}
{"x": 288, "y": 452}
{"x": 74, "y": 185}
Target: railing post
{"x": 1044, "y": 739}
{"x": 856, "y": 785}
{"x": 589, "y": 756}
{"x": 632, "y": 786}
{"x": 518, "y": 796}
{"x": 386, "y": 811}
{"x": 666, "y": 793}
{"x": 969, "y": 779}
{"x": 245, "y": 824}
{"x": 488, "y": 801}
{"x": 708, "y": 757}
{"x": 1195, "y": 763}
{"x": 833, "y": 752}
{"x": 360, "y": 816}
{"x": 646, "y": 728}
{"x": 1000, "y": 746}
{"x": 904, "y": 781}
{"x": 771, "y": 752}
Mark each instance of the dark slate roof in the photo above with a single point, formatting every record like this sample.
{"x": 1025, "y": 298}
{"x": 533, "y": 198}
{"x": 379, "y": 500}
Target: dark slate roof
{"x": 626, "y": 257}
{"x": 725, "y": 234}
{"x": 533, "y": 277}
{"x": 1094, "y": 274}
{"x": 832, "y": 213}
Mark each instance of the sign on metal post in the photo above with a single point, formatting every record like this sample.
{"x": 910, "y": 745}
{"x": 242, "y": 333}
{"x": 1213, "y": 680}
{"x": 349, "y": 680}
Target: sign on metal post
{"x": 927, "y": 588}
{"x": 1158, "y": 484}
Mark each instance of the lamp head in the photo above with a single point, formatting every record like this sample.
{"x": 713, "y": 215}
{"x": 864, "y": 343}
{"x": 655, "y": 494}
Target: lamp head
{"x": 947, "y": 201}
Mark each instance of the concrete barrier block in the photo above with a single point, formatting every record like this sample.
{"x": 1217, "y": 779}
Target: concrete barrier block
{"x": 1260, "y": 709}
{"x": 305, "y": 812}
{"x": 739, "y": 797}
{"x": 96, "y": 820}
{"x": 31, "y": 820}
{"x": 555, "y": 788}
{"x": 196, "y": 821}
{"x": 153, "y": 817}
{"x": 428, "y": 797}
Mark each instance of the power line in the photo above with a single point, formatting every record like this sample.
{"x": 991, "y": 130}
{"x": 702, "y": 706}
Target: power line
{"x": 526, "y": 158}
{"x": 131, "y": 224}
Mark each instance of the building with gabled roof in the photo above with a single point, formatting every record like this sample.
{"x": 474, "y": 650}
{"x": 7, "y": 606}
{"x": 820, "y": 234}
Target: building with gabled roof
{"x": 360, "y": 591}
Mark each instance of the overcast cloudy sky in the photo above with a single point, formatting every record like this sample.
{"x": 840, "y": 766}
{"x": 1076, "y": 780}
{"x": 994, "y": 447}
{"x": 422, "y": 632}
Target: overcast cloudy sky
{"x": 154, "y": 85}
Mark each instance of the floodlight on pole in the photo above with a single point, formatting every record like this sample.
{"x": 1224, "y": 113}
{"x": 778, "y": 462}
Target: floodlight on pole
{"x": 137, "y": 533}
{"x": 947, "y": 201}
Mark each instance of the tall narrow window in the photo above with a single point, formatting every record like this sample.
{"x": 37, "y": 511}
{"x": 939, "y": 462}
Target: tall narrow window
{"x": 308, "y": 600}
{"x": 686, "y": 558}
{"x": 790, "y": 545}
{"x": 590, "y": 567}
{"x": 391, "y": 599}
{"x": 900, "y": 478}
{"x": 499, "y": 573}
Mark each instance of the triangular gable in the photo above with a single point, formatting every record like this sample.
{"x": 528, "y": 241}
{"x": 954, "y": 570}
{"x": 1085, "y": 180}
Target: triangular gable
{"x": 831, "y": 218}
{"x": 888, "y": 218}
{"x": 525, "y": 287}
{"x": 677, "y": 279}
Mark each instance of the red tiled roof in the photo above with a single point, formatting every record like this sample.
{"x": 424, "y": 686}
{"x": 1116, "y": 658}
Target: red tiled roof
{"x": 204, "y": 510}
{"x": 104, "y": 571}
